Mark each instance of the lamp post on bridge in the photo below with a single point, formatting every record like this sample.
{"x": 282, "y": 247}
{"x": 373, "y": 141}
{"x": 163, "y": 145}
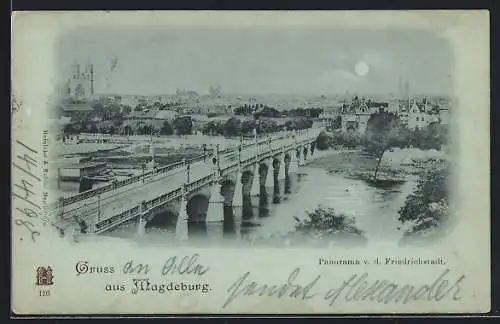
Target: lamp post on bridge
{"x": 186, "y": 164}
{"x": 240, "y": 148}
{"x": 98, "y": 207}
{"x": 215, "y": 159}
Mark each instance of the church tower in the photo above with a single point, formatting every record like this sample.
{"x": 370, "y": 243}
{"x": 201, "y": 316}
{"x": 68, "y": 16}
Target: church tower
{"x": 81, "y": 83}
{"x": 89, "y": 75}
{"x": 76, "y": 69}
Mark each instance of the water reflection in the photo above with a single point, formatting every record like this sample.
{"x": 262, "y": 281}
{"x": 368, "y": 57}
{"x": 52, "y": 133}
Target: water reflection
{"x": 276, "y": 192}
{"x": 288, "y": 185}
{"x": 263, "y": 203}
{"x": 229, "y": 224}
{"x": 197, "y": 229}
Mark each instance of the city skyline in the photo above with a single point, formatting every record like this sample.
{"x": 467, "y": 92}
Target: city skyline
{"x": 260, "y": 61}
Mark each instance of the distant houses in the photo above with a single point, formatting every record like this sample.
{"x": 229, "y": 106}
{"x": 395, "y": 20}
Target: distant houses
{"x": 355, "y": 116}
{"x": 413, "y": 113}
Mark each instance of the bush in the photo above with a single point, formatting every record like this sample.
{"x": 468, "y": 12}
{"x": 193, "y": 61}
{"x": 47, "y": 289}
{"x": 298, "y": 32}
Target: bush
{"x": 325, "y": 222}
{"x": 427, "y": 206}
{"x": 183, "y": 125}
{"x": 323, "y": 141}
{"x": 346, "y": 139}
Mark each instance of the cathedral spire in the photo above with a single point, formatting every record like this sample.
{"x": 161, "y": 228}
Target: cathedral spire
{"x": 88, "y": 65}
{"x": 76, "y": 69}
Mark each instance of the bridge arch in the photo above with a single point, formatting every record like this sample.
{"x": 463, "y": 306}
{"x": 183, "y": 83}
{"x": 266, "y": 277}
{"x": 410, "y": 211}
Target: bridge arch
{"x": 276, "y": 161}
{"x": 196, "y": 208}
{"x": 165, "y": 219}
{"x": 227, "y": 190}
{"x": 246, "y": 176}
{"x": 263, "y": 169}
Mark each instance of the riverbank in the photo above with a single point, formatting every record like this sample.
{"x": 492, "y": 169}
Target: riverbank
{"x": 349, "y": 190}
{"x": 357, "y": 164}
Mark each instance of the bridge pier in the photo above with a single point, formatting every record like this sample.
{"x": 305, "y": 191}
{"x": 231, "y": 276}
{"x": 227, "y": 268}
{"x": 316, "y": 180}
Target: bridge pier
{"x": 276, "y": 171}
{"x": 298, "y": 156}
{"x": 293, "y": 163}
{"x": 286, "y": 161}
{"x": 238, "y": 191}
{"x": 255, "y": 191}
{"x": 141, "y": 225}
{"x": 281, "y": 169}
{"x": 215, "y": 211}
{"x": 181, "y": 228}
{"x": 269, "y": 176}
{"x": 304, "y": 154}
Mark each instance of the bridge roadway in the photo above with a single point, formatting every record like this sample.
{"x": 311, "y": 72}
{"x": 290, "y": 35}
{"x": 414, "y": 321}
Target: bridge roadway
{"x": 107, "y": 204}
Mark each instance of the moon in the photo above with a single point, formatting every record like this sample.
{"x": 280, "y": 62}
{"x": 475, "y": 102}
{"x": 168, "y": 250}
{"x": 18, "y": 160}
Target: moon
{"x": 361, "y": 68}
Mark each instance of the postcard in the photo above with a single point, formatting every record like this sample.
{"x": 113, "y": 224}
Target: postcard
{"x": 250, "y": 162}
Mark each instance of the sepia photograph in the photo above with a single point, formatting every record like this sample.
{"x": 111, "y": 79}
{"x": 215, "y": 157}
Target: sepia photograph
{"x": 250, "y": 162}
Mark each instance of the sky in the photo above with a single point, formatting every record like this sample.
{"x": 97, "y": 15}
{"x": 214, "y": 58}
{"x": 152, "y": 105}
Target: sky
{"x": 260, "y": 61}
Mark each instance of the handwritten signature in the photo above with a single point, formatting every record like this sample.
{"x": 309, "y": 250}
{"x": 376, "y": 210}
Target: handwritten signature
{"x": 357, "y": 287}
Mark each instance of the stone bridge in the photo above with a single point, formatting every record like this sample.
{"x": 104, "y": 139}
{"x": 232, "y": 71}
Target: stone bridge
{"x": 192, "y": 192}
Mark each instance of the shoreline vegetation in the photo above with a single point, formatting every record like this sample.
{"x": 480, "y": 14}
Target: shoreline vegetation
{"x": 385, "y": 156}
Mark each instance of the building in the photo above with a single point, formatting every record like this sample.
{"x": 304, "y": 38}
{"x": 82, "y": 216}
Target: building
{"x": 376, "y": 107}
{"x": 69, "y": 110}
{"x": 80, "y": 168}
{"x": 355, "y": 116}
{"x": 421, "y": 113}
{"x": 150, "y": 115}
{"x": 444, "y": 115}
{"x": 80, "y": 85}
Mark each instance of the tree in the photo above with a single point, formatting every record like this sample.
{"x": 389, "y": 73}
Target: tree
{"x": 183, "y": 125}
{"x": 232, "y": 127}
{"x": 166, "y": 129}
{"x": 270, "y": 112}
{"x": 126, "y": 110}
{"x": 213, "y": 128}
{"x": 267, "y": 126}
{"x": 146, "y": 130}
{"x": 243, "y": 110}
{"x": 127, "y": 130}
{"x": 247, "y": 126}
{"x": 427, "y": 206}
{"x": 323, "y": 141}
{"x": 71, "y": 129}
{"x": 434, "y": 136}
{"x": 337, "y": 122}
{"x": 384, "y": 130}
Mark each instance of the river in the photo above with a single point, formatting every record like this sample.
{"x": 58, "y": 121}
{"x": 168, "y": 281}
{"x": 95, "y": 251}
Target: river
{"x": 262, "y": 218}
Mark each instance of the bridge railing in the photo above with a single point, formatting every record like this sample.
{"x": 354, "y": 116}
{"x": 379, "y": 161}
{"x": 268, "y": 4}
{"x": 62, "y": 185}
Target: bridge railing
{"x": 262, "y": 155}
{"x": 117, "y": 184}
{"x": 117, "y": 219}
